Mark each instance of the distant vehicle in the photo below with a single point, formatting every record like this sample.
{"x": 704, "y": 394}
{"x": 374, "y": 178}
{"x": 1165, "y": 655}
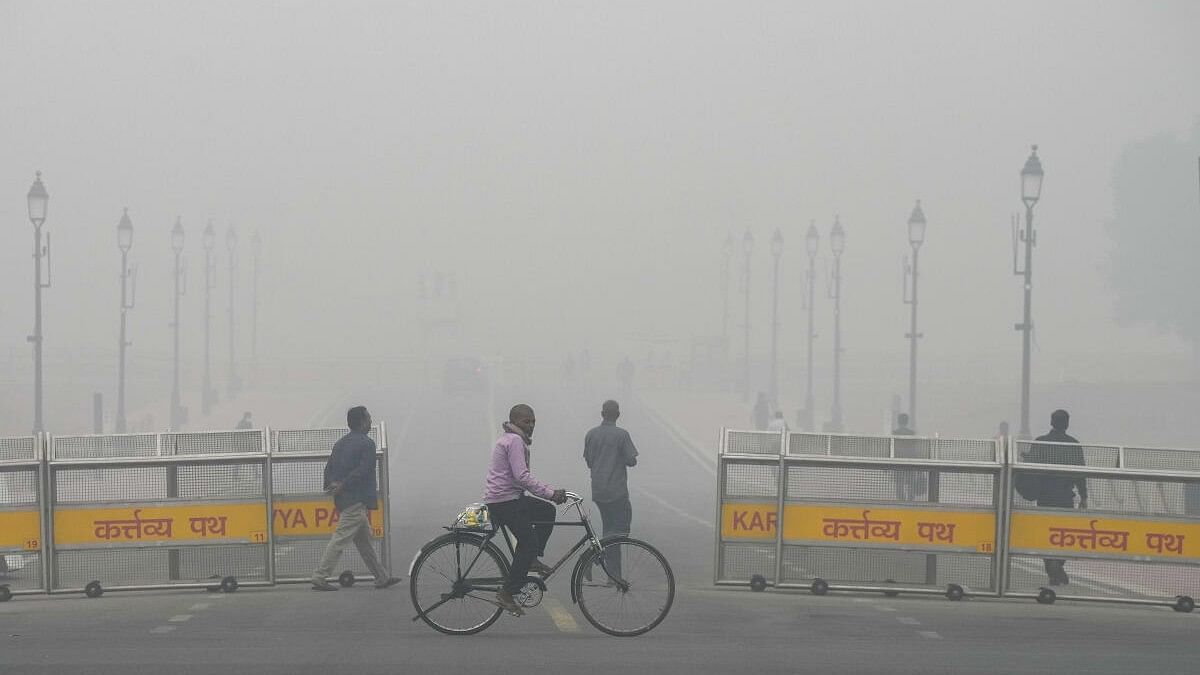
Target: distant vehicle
{"x": 465, "y": 375}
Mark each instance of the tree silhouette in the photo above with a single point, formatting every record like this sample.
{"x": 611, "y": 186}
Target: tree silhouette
{"x": 1155, "y": 264}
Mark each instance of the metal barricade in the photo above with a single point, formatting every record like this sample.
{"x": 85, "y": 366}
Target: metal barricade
{"x": 748, "y": 471}
{"x": 1103, "y": 522}
{"x": 150, "y": 511}
{"x": 22, "y": 525}
{"x": 304, "y": 517}
{"x": 891, "y": 514}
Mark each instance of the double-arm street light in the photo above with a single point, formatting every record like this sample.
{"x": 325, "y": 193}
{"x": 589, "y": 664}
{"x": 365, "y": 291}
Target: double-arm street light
{"x": 747, "y": 247}
{"x": 916, "y": 236}
{"x": 128, "y": 295}
{"x": 811, "y": 241}
{"x": 38, "y": 199}
{"x": 1031, "y": 191}
{"x": 837, "y": 244}
{"x": 177, "y": 416}
{"x": 231, "y": 245}
{"x": 209, "y": 239}
{"x": 776, "y": 253}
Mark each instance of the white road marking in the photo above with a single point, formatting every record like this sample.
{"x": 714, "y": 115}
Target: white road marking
{"x": 561, "y": 617}
{"x": 862, "y": 600}
{"x": 672, "y": 508}
{"x": 930, "y": 634}
{"x": 908, "y": 621}
{"x": 885, "y": 608}
{"x": 162, "y": 629}
{"x": 180, "y": 618}
{"x": 199, "y": 606}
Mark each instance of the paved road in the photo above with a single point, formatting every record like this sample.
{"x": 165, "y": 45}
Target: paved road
{"x": 440, "y": 445}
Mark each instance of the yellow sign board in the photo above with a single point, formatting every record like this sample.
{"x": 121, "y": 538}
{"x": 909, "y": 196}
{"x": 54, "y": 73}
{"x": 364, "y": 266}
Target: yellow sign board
{"x": 862, "y": 524}
{"x": 875, "y": 525}
{"x": 20, "y": 529}
{"x": 166, "y": 523}
{"x": 1122, "y": 538}
{"x": 316, "y": 518}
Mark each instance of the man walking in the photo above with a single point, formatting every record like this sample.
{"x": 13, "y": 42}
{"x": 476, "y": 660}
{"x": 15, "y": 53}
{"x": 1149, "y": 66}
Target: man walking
{"x": 1057, "y": 490}
{"x": 909, "y": 484}
{"x": 350, "y": 478}
{"x": 609, "y": 452}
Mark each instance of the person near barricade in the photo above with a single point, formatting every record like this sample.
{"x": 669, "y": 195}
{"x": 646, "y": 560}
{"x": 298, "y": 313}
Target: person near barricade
{"x": 909, "y": 484}
{"x": 762, "y": 412}
{"x": 608, "y": 451}
{"x": 245, "y": 422}
{"x": 508, "y": 478}
{"x": 1058, "y": 490}
{"x": 350, "y": 478}
{"x": 777, "y": 423}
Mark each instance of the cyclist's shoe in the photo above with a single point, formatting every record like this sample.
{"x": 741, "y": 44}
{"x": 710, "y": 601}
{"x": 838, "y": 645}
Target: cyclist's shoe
{"x": 539, "y": 567}
{"x": 506, "y": 602}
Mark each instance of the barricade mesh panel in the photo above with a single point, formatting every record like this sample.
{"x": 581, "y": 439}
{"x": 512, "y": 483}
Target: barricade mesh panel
{"x": 220, "y": 481}
{"x": 853, "y": 484}
{"x": 212, "y": 443}
{"x": 311, "y": 440}
{"x": 753, "y": 443}
{"x": 18, "y": 448}
{"x": 1100, "y": 456}
{"x": 305, "y": 476}
{"x": 1166, "y": 497}
{"x": 113, "y": 484}
{"x": 963, "y": 450}
{"x": 808, "y": 444}
{"x": 18, "y": 486}
{"x": 860, "y": 446}
{"x": 751, "y": 480}
{"x": 1161, "y": 459}
{"x": 296, "y": 558}
{"x": 739, "y": 562}
{"x": 24, "y": 571}
{"x": 145, "y": 566}
{"x": 1107, "y": 578}
{"x": 867, "y": 566}
{"x": 84, "y": 447}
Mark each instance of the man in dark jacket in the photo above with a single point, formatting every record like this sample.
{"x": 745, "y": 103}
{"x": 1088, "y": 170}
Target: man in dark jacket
{"x": 608, "y": 452}
{"x": 1057, "y": 490}
{"x": 350, "y": 478}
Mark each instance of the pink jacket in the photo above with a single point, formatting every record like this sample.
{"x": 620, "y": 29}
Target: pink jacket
{"x": 508, "y": 475}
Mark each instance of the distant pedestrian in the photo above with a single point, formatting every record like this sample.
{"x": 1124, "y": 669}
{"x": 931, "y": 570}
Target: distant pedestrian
{"x": 762, "y": 412}
{"x": 625, "y": 371}
{"x": 1058, "y": 490}
{"x": 350, "y": 478}
{"x": 608, "y": 451}
{"x": 909, "y": 484}
{"x": 246, "y": 422}
{"x": 777, "y": 423}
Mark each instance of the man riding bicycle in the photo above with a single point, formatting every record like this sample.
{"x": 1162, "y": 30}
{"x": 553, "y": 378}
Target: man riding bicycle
{"x": 508, "y": 478}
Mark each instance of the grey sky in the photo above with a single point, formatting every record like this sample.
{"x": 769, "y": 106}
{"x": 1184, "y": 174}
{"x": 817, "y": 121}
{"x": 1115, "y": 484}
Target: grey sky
{"x": 567, "y": 160}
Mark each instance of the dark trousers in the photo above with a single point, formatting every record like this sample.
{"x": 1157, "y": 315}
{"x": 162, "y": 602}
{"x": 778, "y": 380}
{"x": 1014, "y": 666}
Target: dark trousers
{"x": 615, "y": 518}
{"x": 517, "y": 515}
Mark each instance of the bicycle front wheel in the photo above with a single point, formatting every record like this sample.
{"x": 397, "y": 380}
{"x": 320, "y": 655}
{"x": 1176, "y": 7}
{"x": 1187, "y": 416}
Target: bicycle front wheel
{"x": 626, "y": 588}
{"x": 454, "y": 582}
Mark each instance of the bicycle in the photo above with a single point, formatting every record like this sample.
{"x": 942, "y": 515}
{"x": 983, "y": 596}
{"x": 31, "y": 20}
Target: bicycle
{"x": 623, "y": 586}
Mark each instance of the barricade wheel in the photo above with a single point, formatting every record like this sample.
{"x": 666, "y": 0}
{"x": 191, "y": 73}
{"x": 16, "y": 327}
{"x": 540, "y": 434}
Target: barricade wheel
{"x": 93, "y": 589}
{"x": 5, "y": 594}
{"x": 346, "y": 579}
{"x": 758, "y": 583}
{"x": 1046, "y": 597}
{"x": 819, "y": 587}
{"x": 1184, "y": 604}
{"x": 890, "y": 594}
{"x": 229, "y": 584}
{"x": 954, "y": 592}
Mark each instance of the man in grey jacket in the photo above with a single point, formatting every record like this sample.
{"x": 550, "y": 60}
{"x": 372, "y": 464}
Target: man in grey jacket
{"x": 609, "y": 452}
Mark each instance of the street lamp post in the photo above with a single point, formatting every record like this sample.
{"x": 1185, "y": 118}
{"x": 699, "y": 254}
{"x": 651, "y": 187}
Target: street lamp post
{"x": 916, "y": 236}
{"x": 776, "y": 253}
{"x": 747, "y": 247}
{"x": 811, "y": 241}
{"x": 837, "y": 243}
{"x": 726, "y": 256}
{"x": 256, "y": 248}
{"x": 176, "y": 405}
{"x": 124, "y": 242}
{"x": 1031, "y": 191}
{"x": 209, "y": 238}
{"x": 38, "y": 199}
{"x": 231, "y": 246}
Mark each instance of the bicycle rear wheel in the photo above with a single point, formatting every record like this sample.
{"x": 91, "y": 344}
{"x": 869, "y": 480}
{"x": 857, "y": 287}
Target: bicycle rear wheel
{"x": 454, "y": 582}
{"x": 630, "y": 589}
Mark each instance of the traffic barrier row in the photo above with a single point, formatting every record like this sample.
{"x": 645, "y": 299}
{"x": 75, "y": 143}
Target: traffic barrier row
{"x": 212, "y": 510}
{"x": 958, "y": 517}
